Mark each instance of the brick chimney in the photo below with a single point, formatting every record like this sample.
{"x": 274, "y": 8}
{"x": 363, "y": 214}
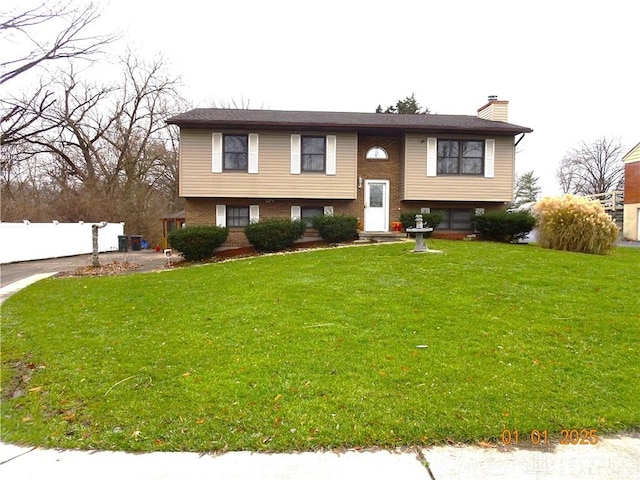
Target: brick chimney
{"x": 495, "y": 109}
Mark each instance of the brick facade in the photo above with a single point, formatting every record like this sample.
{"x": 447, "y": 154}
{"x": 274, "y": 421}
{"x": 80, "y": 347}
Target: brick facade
{"x": 632, "y": 182}
{"x": 202, "y": 211}
{"x": 390, "y": 170}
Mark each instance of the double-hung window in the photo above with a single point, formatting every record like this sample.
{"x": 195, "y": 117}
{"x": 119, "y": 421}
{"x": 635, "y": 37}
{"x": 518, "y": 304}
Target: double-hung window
{"x": 236, "y": 152}
{"x": 307, "y": 214}
{"x": 455, "y": 219}
{"x": 237, "y": 216}
{"x": 313, "y": 150}
{"x": 460, "y": 157}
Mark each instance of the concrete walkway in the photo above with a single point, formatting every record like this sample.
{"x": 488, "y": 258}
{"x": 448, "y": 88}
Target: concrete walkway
{"x": 613, "y": 457}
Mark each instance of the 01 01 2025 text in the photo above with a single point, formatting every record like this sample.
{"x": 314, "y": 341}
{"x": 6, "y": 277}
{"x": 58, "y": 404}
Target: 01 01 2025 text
{"x": 542, "y": 437}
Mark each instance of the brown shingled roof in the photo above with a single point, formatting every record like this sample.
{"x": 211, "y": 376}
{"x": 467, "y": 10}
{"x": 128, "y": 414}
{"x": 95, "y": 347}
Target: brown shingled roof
{"x": 342, "y": 121}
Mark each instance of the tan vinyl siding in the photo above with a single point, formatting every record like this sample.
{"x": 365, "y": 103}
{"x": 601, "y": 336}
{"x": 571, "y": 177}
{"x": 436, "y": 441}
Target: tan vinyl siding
{"x": 274, "y": 178}
{"x": 633, "y": 155}
{"x": 417, "y": 186}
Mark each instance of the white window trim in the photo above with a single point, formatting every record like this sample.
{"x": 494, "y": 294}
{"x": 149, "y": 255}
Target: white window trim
{"x": 221, "y": 215}
{"x": 254, "y": 213}
{"x": 489, "y": 157}
{"x": 432, "y": 156}
{"x": 296, "y": 212}
{"x": 295, "y": 154}
{"x": 331, "y": 155}
{"x": 253, "y": 153}
{"x": 216, "y": 152}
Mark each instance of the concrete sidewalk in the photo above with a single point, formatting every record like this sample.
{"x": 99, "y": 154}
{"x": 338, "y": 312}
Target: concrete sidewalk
{"x": 612, "y": 458}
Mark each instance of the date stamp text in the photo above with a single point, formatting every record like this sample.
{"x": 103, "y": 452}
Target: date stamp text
{"x": 542, "y": 437}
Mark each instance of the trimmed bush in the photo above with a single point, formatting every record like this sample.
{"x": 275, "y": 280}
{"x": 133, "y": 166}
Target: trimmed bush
{"x": 576, "y": 224}
{"x": 197, "y": 243}
{"x": 432, "y": 219}
{"x": 503, "y": 226}
{"x": 336, "y": 228}
{"x": 274, "y": 234}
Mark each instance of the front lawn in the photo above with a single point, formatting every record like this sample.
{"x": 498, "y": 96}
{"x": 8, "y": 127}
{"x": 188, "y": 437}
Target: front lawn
{"x": 349, "y": 347}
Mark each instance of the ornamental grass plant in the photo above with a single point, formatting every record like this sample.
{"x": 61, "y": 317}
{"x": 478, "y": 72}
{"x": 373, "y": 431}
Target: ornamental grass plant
{"x": 575, "y": 224}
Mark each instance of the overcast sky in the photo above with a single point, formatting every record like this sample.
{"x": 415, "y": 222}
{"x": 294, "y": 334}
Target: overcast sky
{"x": 568, "y": 68}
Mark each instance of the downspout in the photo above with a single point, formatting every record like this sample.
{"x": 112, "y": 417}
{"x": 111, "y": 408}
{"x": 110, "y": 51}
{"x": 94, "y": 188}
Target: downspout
{"x": 521, "y": 137}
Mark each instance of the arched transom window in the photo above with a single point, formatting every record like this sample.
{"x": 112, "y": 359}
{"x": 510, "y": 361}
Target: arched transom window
{"x": 377, "y": 153}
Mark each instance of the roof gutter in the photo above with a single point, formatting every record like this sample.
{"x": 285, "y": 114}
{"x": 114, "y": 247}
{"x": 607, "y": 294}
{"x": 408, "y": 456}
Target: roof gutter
{"x": 447, "y": 129}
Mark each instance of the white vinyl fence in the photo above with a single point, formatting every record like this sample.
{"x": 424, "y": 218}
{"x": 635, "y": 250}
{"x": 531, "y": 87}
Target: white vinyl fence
{"x": 35, "y": 241}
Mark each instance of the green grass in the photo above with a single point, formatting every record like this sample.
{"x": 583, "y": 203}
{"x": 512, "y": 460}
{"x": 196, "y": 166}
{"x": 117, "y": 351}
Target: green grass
{"x": 319, "y": 350}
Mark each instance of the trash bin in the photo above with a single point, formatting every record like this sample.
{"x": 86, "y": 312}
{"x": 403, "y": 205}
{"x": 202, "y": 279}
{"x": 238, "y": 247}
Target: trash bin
{"x": 123, "y": 243}
{"x": 136, "y": 242}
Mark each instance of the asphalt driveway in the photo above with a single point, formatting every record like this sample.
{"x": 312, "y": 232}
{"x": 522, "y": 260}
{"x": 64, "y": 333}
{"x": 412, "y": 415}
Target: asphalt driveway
{"x": 13, "y": 272}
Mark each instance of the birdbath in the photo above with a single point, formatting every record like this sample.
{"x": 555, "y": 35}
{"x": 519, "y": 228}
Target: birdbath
{"x": 420, "y": 230}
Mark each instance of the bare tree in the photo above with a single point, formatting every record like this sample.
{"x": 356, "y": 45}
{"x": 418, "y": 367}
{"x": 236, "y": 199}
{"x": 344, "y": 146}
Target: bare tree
{"x": 234, "y": 104}
{"x": 106, "y": 151}
{"x": 72, "y": 40}
{"x": 20, "y": 35}
{"x": 592, "y": 168}
{"x": 20, "y": 115}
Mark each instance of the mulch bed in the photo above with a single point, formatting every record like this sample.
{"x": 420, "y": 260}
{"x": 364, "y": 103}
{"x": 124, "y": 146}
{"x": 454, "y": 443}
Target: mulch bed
{"x": 111, "y": 268}
{"x": 119, "y": 268}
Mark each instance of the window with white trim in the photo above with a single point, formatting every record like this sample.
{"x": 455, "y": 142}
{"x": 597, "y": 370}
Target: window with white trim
{"x": 313, "y": 154}
{"x": 237, "y": 216}
{"x": 460, "y": 157}
{"x": 376, "y": 153}
{"x": 235, "y": 152}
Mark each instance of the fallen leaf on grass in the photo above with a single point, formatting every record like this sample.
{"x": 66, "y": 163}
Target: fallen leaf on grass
{"x": 487, "y": 444}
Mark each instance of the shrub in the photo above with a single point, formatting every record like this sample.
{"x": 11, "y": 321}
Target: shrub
{"x": 274, "y": 234}
{"x": 503, "y": 226}
{"x": 336, "y": 228}
{"x": 432, "y": 220}
{"x": 576, "y": 224}
{"x": 197, "y": 243}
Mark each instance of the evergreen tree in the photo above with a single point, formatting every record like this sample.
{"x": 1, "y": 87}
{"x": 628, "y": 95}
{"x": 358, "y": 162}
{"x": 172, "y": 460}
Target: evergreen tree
{"x": 527, "y": 189}
{"x": 408, "y": 105}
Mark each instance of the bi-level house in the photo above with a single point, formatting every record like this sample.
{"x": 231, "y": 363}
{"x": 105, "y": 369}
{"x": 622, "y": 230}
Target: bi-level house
{"x": 239, "y": 166}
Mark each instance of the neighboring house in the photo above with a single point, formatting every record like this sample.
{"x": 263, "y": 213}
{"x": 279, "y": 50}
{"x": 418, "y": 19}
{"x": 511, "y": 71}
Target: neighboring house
{"x": 239, "y": 166}
{"x": 631, "y": 229}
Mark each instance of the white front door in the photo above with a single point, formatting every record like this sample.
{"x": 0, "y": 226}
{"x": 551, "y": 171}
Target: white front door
{"x": 376, "y": 205}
